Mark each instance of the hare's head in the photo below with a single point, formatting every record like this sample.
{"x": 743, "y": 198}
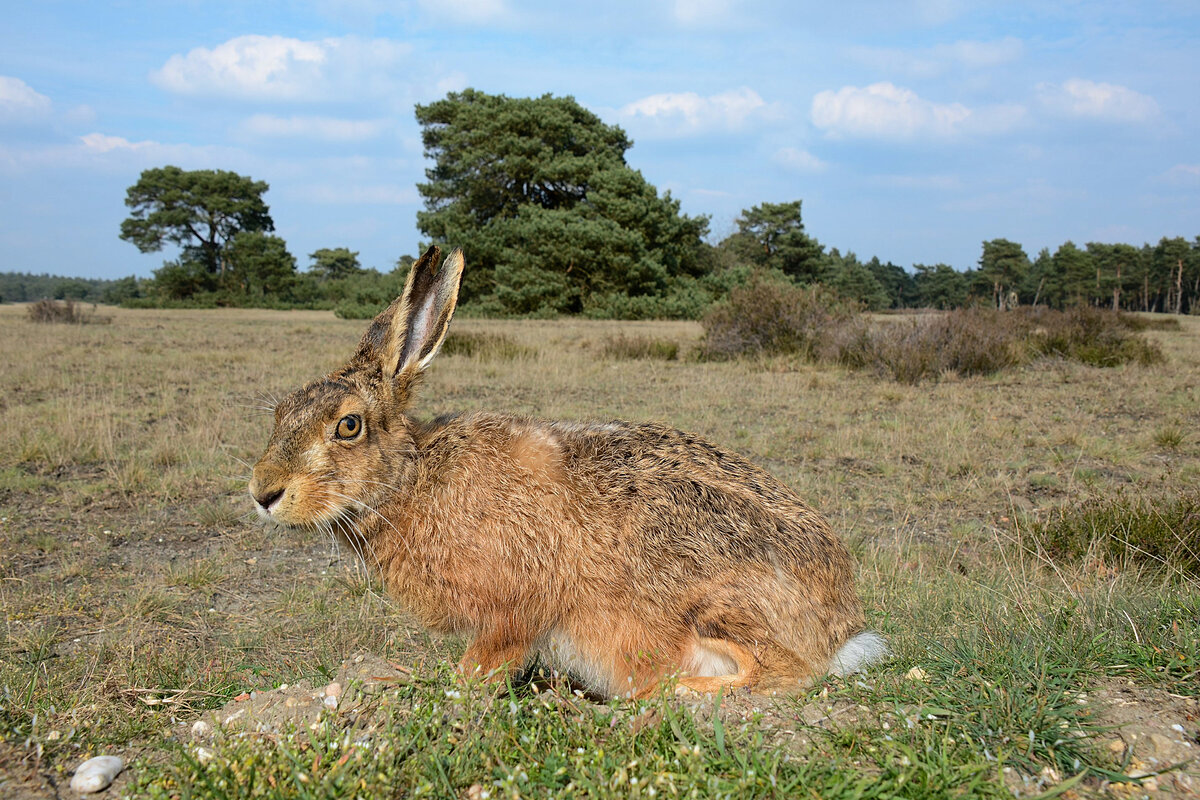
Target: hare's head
{"x": 344, "y": 439}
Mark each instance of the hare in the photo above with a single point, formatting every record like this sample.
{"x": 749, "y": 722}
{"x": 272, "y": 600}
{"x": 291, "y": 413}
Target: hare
{"x": 624, "y": 554}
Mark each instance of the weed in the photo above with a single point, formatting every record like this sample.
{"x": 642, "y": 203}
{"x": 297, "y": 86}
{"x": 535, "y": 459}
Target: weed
{"x": 1169, "y": 437}
{"x": 195, "y": 574}
{"x": 217, "y": 513}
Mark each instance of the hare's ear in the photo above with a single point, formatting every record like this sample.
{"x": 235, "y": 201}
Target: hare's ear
{"x": 406, "y": 336}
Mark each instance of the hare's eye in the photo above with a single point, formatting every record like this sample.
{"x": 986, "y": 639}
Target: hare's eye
{"x": 348, "y": 427}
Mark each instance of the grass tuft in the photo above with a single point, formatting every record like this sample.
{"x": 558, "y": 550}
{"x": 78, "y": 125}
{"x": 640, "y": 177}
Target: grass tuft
{"x": 1161, "y": 533}
{"x": 639, "y": 348}
{"x": 484, "y": 346}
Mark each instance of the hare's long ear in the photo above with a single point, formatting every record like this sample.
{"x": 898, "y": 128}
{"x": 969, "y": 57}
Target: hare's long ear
{"x": 406, "y": 336}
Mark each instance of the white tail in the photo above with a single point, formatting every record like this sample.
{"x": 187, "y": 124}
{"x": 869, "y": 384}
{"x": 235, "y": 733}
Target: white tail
{"x": 861, "y": 651}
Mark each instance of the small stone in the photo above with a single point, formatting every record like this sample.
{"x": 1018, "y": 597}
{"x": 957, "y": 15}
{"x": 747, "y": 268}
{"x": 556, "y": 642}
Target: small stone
{"x": 358, "y": 659}
{"x": 1160, "y": 743}
{"x": 330, "y": 702}
{"x": 1116, "y": 746}
{"x": 1150, "y": 784}
{"x": 201, "y": 729}
{"x": 916, "y": 674}
{"x": 1177, "y": 727}
{"x": 96, "y": 774}
{"x": 53, "y": 736}
{"x": 333, "y": 690}
{"x": 290, "y": 702}
{"x": 1050, "y": 775}
{"x": 204, "y": 755}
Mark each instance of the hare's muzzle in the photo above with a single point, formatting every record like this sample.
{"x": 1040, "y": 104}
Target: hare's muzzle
{"x": 267, "y": 498}
{"x": 267, "y": 490}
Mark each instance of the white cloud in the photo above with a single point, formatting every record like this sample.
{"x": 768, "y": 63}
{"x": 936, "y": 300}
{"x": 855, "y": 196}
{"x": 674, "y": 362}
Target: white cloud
{"x": 1035, "y": 195}
{"x": 1078, "y": 97}
{"x": 1183, "y": 173}
{"x": 101, "y": 152}
{"x": 19, "y": 101}
{"x": 687, "y": 113}
{"x": 102, "y": 143}
{"x": 465, "y": 11}
{"x": 886, "y": 111}
{"x": 301, "y": 127}
{"x": 942, "y": 58}
{"x": 941, "y": 183}
{"x": 372, "y": 194}
{"x": 699, "y": 12}
{"x": 801, "y": 160}
{"x": 282, "y": 68}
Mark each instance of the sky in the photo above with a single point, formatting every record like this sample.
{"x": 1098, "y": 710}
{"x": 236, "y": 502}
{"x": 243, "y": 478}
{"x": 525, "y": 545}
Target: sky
{"x": 911, "y": 129}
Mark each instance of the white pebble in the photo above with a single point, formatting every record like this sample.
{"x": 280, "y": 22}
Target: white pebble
{"x": 204, "y": 755}
{"x": 1177, "y": 727}
{"x": 96, "y": 774}
{"x": 331, "y": 702}
{"x": 200, "y": 729}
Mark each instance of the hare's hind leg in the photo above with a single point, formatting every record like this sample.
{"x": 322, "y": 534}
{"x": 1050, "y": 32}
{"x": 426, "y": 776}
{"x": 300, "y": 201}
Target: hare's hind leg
{"x": 718, "y": 663}
{"x": 493, "y": 658}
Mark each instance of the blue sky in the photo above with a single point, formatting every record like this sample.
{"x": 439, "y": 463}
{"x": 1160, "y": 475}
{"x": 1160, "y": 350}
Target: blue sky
{"x": 911, "y": 130}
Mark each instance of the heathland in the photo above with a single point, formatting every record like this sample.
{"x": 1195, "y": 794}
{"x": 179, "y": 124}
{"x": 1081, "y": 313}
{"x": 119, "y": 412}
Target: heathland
{"x": 1027, "y": 543}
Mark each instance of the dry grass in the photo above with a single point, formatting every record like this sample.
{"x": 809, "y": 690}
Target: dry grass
{"x": 132, "y": 563}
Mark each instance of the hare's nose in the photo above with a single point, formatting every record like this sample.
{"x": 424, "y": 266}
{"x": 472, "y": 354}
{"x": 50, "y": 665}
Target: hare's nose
{"x": 267, "y": 498}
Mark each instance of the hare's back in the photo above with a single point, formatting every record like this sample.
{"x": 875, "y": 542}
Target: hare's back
{"x": 682, "y": 498}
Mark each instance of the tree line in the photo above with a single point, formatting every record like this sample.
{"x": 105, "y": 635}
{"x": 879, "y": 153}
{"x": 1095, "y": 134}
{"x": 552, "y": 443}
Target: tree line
{"x": 555, "y": 221}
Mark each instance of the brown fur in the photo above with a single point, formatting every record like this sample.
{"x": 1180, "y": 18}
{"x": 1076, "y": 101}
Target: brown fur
{"x": 623, "y": 552}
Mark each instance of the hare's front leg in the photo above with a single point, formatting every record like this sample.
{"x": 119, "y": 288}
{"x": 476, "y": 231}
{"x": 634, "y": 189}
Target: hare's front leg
{"x": 494, "y": 657}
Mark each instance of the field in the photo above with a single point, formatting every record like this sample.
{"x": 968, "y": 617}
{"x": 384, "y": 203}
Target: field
{"x": 141, "y": 596}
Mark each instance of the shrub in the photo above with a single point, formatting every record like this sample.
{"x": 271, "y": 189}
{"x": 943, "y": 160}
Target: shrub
{"x": 1162, "y": 533}
{"x": 1088, "y": 335}
{"x": 640, "y": 347}
{"x": 67, "y": 311}
{"x": 352, "y": 309}
{"x": 774, "y": 317}
{"x": 1144, "y": 323}
{"x": 769, "y": 316}
{"x": 966, "y": 342}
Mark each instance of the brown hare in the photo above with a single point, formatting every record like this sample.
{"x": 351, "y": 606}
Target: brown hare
{"x": 623, "y": 553}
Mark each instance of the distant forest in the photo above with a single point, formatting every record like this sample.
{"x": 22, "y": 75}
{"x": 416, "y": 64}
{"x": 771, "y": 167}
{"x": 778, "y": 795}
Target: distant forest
{"x": 1164, "y": 277}
{"x": 554, "y": 221}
